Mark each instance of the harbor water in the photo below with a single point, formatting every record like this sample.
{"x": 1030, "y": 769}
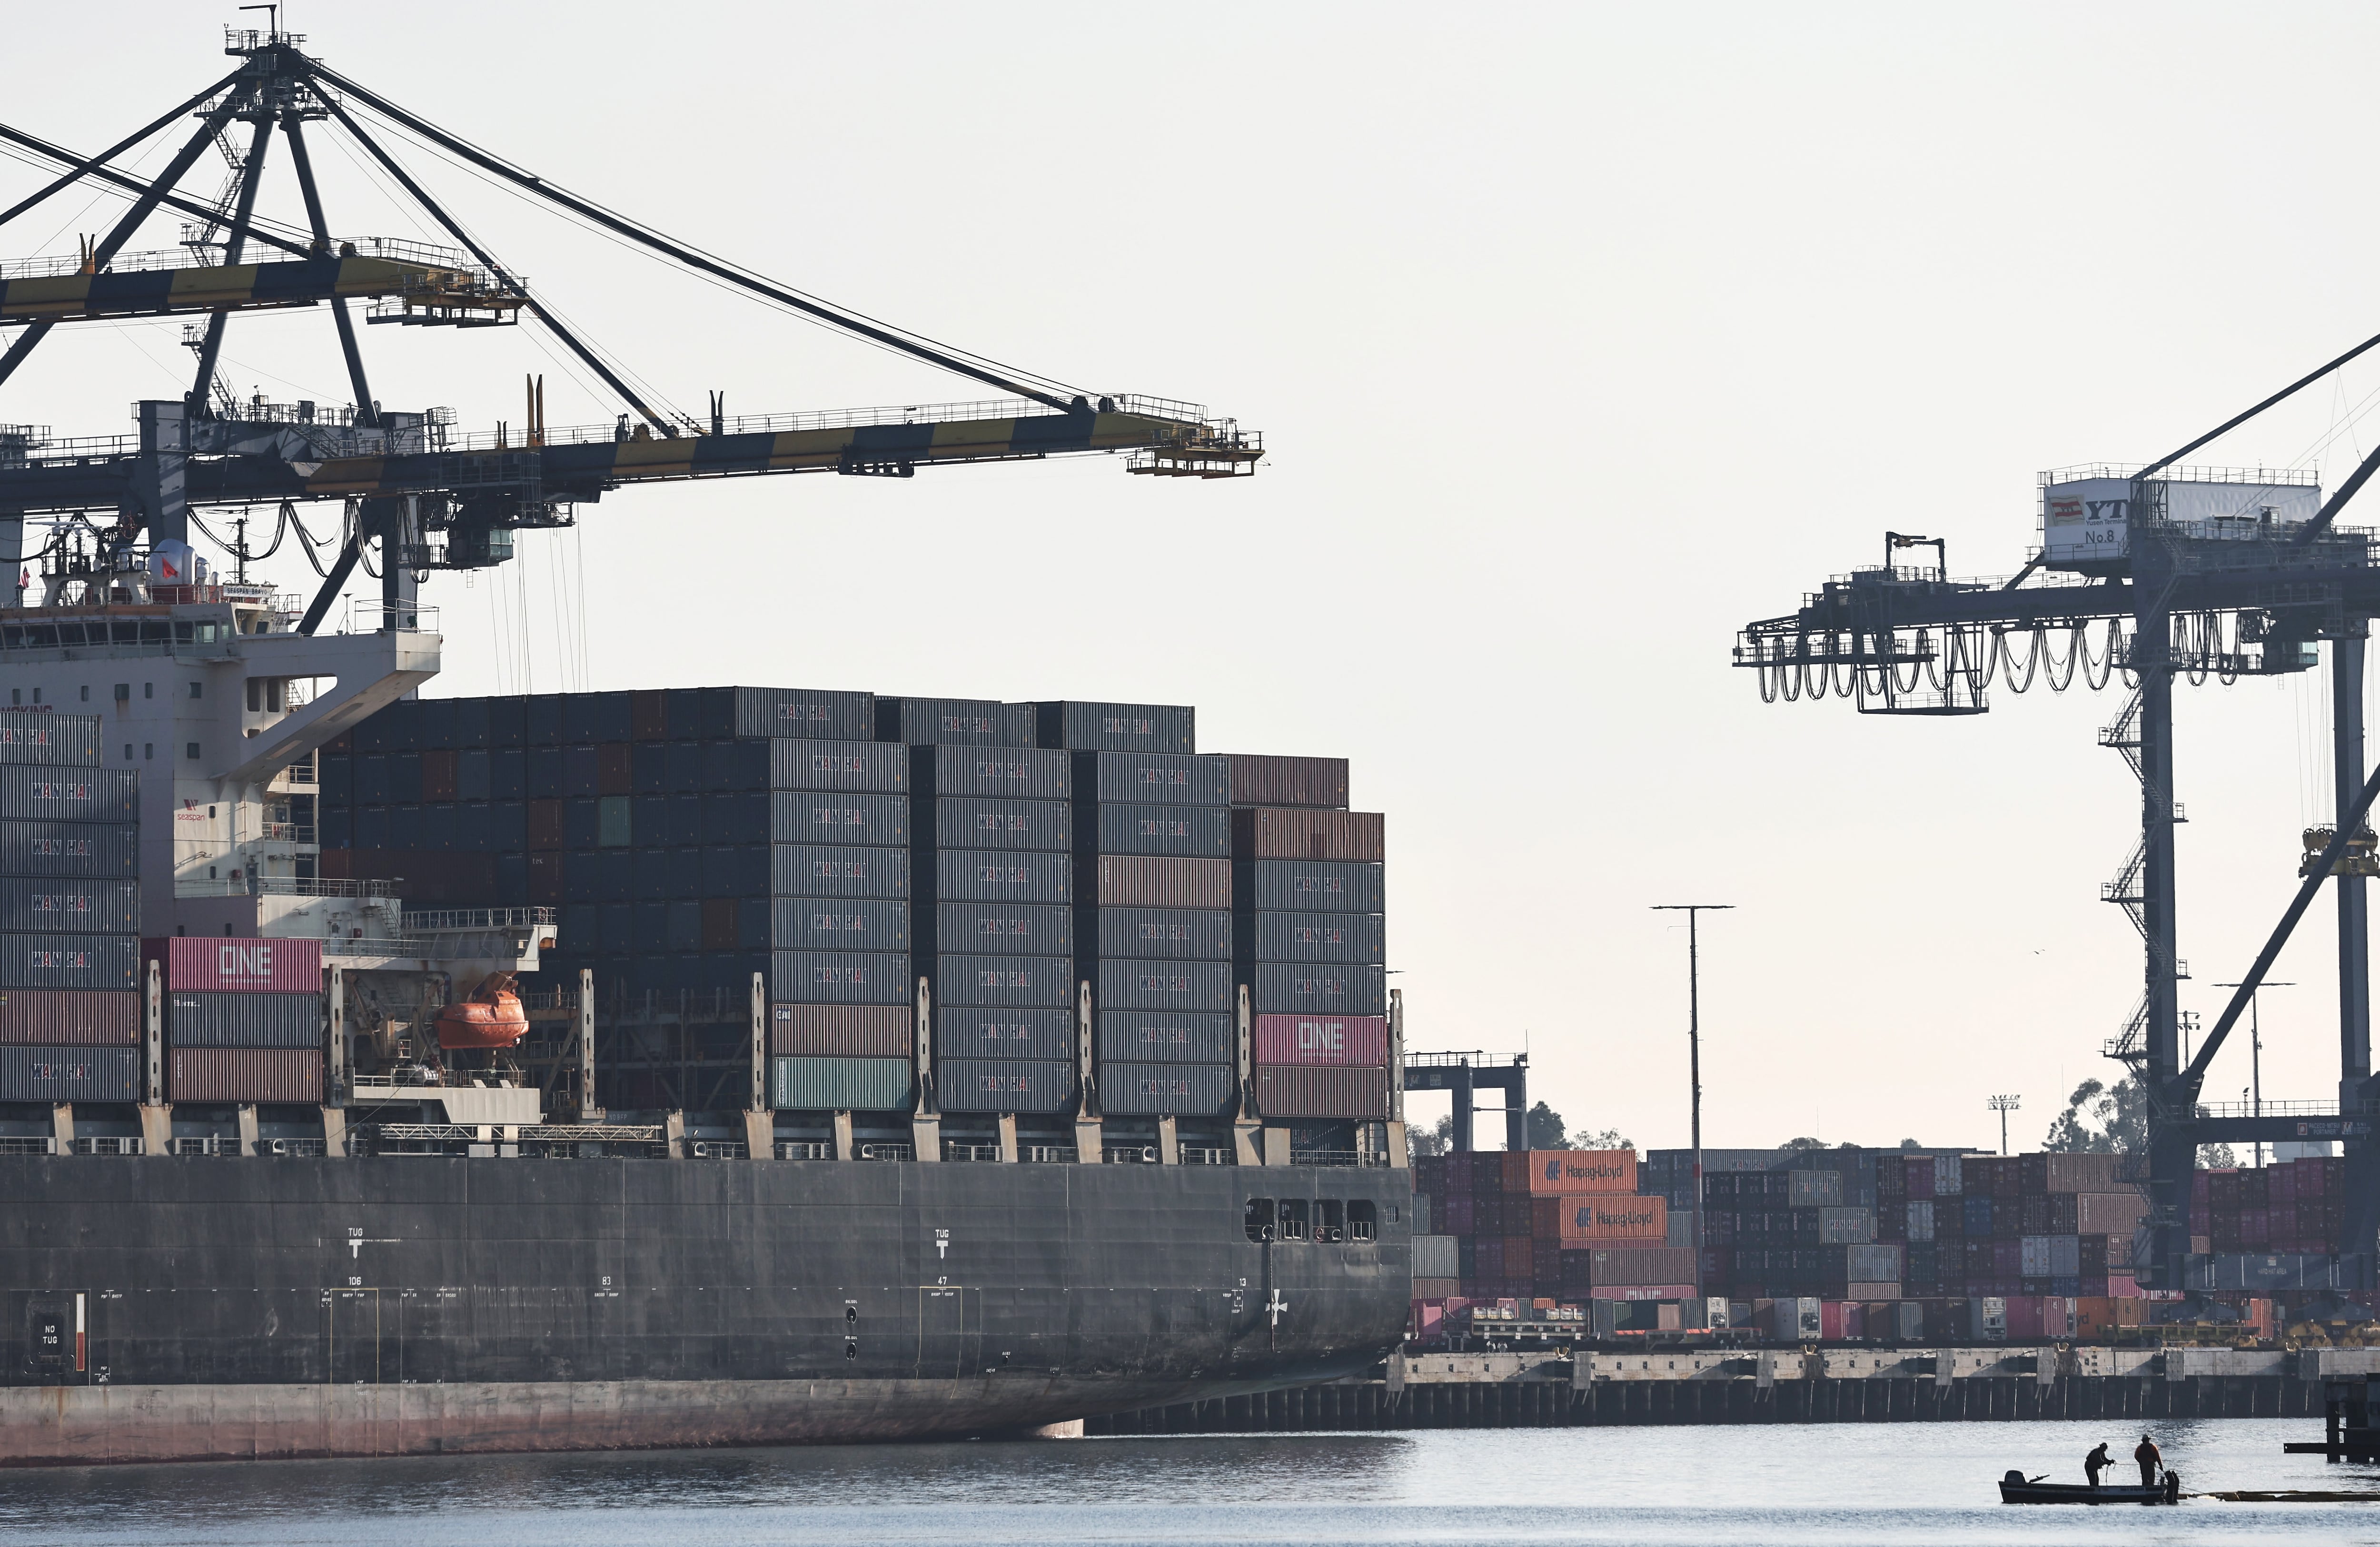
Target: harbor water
{"x": 1929, "y": 1484}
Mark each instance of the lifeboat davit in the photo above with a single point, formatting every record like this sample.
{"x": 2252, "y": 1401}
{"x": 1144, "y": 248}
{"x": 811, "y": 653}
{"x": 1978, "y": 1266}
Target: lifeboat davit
{"x": 490, "y": 1016}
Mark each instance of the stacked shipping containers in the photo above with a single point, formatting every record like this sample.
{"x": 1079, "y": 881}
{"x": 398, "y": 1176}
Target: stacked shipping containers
{"x": 2278, "y": 1227}
{"x": 69, "y": 914}
{"x": 1545, "y": 1223}
{"x": 1309, "y": 938}
{"x": 243, "y": 1019}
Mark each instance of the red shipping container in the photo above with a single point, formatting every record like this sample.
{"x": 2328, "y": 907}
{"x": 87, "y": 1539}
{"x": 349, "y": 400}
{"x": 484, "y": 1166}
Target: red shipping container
{"x": 2023, "y": 1316}
{"x": 244, "y": 964}
{"x": 437, "y": 774}
{"x": 243, "y": 1074}
{"x": 1548, "y": 1173}
{"x": 71, "y": 1017}
{"x": 840, "y": 1030}
{"x": 1264, "y": 780}
{"x": 1308, "y": 834}
{"x": 1360, "y": 1041}
{"x": 1288, "y": 1091}
{"x": 1520, "y": 1258}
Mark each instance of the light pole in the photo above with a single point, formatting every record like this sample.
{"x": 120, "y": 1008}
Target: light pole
{"x": 2256, "y": 1057}
{"x": 2004, "y": 1105}
{"x": 1693, "y": 912}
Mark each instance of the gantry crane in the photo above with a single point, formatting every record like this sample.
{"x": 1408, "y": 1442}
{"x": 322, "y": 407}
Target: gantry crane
{"x": 2152, "y": 573}
{"x": 427, "y": 497}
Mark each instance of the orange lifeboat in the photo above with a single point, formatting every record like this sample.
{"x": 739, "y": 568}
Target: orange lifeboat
{"x": 490, "y": 1016}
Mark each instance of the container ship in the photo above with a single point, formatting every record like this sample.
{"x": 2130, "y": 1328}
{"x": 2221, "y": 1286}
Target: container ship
{"x": 384, "y": 1073}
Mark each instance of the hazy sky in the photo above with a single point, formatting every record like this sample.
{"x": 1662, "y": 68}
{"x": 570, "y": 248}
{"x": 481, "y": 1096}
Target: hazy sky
{"x": 1580, "y": 336}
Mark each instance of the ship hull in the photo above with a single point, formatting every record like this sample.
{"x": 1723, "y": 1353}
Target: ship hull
{"x": 194, "y": 1308}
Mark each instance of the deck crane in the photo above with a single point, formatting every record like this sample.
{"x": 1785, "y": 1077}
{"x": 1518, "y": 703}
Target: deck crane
{"x": 2150, "y": 574}
{"x": 430, "y": 498}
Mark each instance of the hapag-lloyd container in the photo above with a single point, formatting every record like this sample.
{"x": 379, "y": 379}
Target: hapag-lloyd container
{"x": 1289, "y": 1091}
{"x": 986, "y": 822}
{"x": 839, "y": 1084}
{"x": 1316, "y": 989}
{"x": 70, "y": 848}
{"x": 1312, "y": 886}
{"x": 1303, "y": 833}
{"x": 1155, "y": 881}
{"x": 1154, "y": 778}
{"x": 821, "y": 871}
{"x": 1117, "y": 727}
{"x": 1358, "y": 939}
{"x": 260, "y": 1020}
{"x": 69, "y": 1018}
{"x": 34, "y": 793}
{"x": 841, "y": 1030}
{"x": 1004, "y": 928}
{"x": 243, "y": 1075}
{"x": 51, "y": 903}
{"x": 837, "y": 924}
{"x": 954, "y": 721}
{"x": 1005, "y": 1084}
{"x": 1163, "y": 985}
{"x": 1165, "y": 1089}
{"x": 69, "y": 961}
{"x": 1200, "y": 831}
{"x": 840, "y": 976}
{"x": 1262, "y": 780}
{"x": 1337, "y": 1041}
{"x": 1162, "y": 1037}
{"x": 989, "y": 1031}
{"x": 852, "y": 767}
{"x": 59, "y": 1075}
{"x": 1003, "y": 773}
{"x": 980, "y": 875}
{"x": 1544, "y": 1172}
{"x": 1601, "y": 1216}
{"x": 211, "y": 964}
{"x": 1022, "y": 982}
{"x": 1166, "y": 934}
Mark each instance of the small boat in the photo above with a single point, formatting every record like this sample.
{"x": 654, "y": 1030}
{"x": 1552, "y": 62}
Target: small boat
{"x": 489, "y": 1017}
{"x": 2016, "y": 1488}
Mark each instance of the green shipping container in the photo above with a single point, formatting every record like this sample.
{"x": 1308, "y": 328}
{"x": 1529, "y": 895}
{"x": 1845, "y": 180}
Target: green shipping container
{"x": 839, "y": 1084}
{"x": 611, "y": 824}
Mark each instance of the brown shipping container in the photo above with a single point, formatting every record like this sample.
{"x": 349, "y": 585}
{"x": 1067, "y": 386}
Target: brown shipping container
{"x": 1611, "y": 1265}
{"x": 1258, "y": 780}
{"x": 2109, "y": 1214}
{"x": 1151, "y": 880}
{"x": 1306, "y": 834}
{"x": 1595, "y": 1217}
{"x": 69, "y": 1018}
{"x": 438, "y": 773}
{"x": 242, "y": 1074}
{"x": 545, "y": 824}
{"x": 2080, "y": 1173}
{"x": 1286, "y": 1091}
{"x": 1547, "y": 1172}
{"x": 841, "y": 1030}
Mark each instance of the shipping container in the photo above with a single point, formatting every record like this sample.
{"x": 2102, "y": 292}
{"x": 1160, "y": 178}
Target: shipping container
{"x": 1846, "y": 1227}
{"x": 1353, "y": 938}
{"x": 1166, "y": 934}
{"x": 32, "y": 793}
{"x": 839, "y": 1084}
{"x": 1304, "y": 833}
{"x": 1152, "y": 880}
{"x": 1301, "y": 989}
{"x": 1005, "y": 1084}
{"x": 796, "y": 712}
{"x": 954, "y": 721}
{"x": 1163, "y": 1037}
{"x": 840, "y": 976}
{"x": 976, "y": 875}
{"x": 90, "y": 906}
{"x": 1639, "y": 1265}
{"x": 816, "y": 871}
{"x": 847, "y": 767}
{"x": 1167, "y": 1089}
{"x": 2109, "y": 1213}
{"x": 211, "y": 964}
{"x": 1163, "y": 985}
{"x": 1198, "y": 832}
{"x": 258, "y": 1020}
{"x": 1020, "y": 981}
{"x": 71, "y": 1017}
{"x": 38, "y": 737}
{"x": 1286, "y": 1091}
{"x": 1117, "y": 727}
{"x": 1873, "y": 1263}
{"x": 1262, "y": 780}
{"x": 833, "y": 817}
{"x": 69, "y": 961}
{"x": 243, "y": 1075}
{"x": 1950, "y": 1176}
{"x": 59, "y": 1074}
{"x": 1005, "y": 928}
{"x": 1434, "y": 1257}
{"x": 834, "y": 924}
{"x": 1311, "y": 886}
{"x": 1031, "y": 1035}
{"x": 1154, "y": 778}
{"x": 841, "y": 1030}
{"x": 1813, "y": 1189}
{"x": 1357, "y": 1041}
{"x": 1601, "y": 1216}
{"x": 1007, "y": 774}
{"x": 70, "y": 848}
{"x": 989, "y": 822}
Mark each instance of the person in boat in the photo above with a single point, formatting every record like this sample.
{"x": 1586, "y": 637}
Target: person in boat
{"x": 2096, "y": 1462}
{"x": 2151, "y": 1459}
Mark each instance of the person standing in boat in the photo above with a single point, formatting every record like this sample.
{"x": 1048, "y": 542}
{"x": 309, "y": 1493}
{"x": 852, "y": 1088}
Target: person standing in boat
{"x": 2151, "y": 1459}
{"x": 2096, "y": 1462}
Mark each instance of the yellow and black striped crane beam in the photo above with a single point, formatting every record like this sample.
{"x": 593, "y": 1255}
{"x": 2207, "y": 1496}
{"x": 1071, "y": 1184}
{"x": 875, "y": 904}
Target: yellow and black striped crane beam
{"x": 420, "y": 288}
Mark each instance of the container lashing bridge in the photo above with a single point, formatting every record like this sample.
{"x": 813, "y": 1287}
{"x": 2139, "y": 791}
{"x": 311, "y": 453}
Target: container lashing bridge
{"x": 423, "y": 496}
{"x": 2150, "y": 575}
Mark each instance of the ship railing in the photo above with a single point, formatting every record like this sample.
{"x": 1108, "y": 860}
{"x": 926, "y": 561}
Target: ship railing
{"x": 888, "y": 1152}
{"x": 1335, "y": 1157}
{"x": 291, "y": 1148}
{"x": 1129, "y": 1154}
{"x": 717, "y": 1148}
{"x": 102, "y": 1144}
{"x": 213, "y": 1144}
{"x": 430, "y": 920}
{"x": 1205, "y": 1154}
{"x": 12, "y": 1144}
{"x": 957, "y": 1149}
{"x": 805, "y": 1149}
{"x": 1049, "y": 1154}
